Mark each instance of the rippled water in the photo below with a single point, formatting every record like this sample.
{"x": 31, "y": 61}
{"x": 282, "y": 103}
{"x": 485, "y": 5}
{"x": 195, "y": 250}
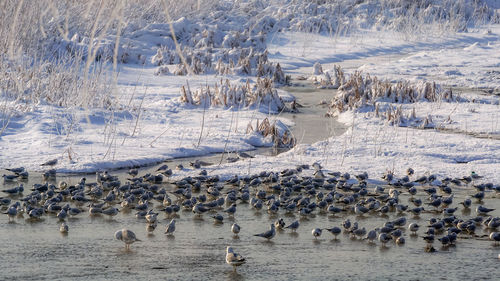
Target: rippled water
{"x": 36, "y": 250}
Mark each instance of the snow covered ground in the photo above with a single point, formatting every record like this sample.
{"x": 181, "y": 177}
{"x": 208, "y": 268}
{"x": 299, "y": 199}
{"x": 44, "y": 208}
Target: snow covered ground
{"x": 468, "y": 132}
{"x": 151, "y": 124}
{"x": 469, "y": 60}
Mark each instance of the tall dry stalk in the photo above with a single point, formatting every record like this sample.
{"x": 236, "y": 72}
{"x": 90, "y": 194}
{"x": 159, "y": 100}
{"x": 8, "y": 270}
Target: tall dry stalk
{"x": 227, "y": 138}
{"x": 13, "y": 29}
{"x": 202, "y": 124}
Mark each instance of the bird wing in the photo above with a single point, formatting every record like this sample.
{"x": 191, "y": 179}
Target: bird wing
{"x": 233, "y": 258}
{"x": 130, "y": 235}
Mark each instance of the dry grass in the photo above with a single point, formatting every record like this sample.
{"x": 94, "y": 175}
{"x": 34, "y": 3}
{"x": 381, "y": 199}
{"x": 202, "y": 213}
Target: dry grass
{"x": 59, "y": 83}
{"x": 386, "y": 100}
{"x": 200, "y": 61}
{"x": 363, "y": 90}
{"x": 262, "y": 95}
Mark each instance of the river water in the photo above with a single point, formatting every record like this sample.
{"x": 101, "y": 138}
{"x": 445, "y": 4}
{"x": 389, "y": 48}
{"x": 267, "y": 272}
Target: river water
{"x": 37, "y": 251}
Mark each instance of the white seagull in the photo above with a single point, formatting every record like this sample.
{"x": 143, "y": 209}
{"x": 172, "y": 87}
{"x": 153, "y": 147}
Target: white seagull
{"x": 127, "y": 236}
{"x": 150, "y": 227}
{"x": 235, "y": 228}
{"x": 371, "y": 235}
{"x": 111, "y": 211}
{"x": 384, "y": 238}
{"x": 316, "y": 232}
{"x": 64, "y": 228}
{"x": 495, "y": 236}
{"x": 233, "y": 258}
{"x": 279, "y": 224}
{"x": 413, "y": 227}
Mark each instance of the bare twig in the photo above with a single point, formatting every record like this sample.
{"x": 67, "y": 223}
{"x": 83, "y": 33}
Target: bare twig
{"x": 155, "y": 139}
{"x": 227, "y": 138}
{"x": 202, "y": 124}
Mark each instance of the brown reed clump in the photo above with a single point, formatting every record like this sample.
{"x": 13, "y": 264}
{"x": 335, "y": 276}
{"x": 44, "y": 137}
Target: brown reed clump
{"x": 363, "y": 90}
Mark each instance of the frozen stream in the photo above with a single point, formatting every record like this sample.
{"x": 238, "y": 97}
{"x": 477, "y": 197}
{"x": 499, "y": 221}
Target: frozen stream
{"x": 37, "y": 251}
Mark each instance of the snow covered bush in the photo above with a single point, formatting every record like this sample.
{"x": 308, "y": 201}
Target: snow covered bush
{"x": 324, "y": 79}
{"x": 418, "y": 16}
{"x": 162, "y": 70}
{"x": 277, "y": 131}
{"x": 317, "y": 69}
{"x": 361, "y": 90}
{"x": 261, "y": 95}
{"x": 396, "y": 115}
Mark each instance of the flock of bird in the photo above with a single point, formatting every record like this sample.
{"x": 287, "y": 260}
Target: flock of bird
{"x": 291, "y": 191}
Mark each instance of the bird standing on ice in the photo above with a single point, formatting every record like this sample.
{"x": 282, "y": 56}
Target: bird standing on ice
{"x": 293, "y": 226}
{"x": 268, "y": 234}
{"x": 233, "y": 258}
{"x": 316, "y": 232}
{"x": 127, "y": 236}
{"x": 170, "y": 228}
{"x": 52, "y": 162}
{"x": 64, "y": 228}
{"x": 235, "y": 228}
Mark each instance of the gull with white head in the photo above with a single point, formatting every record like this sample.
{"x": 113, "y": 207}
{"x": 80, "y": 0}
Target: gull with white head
{"x": 495, "y": 237}
{"x": 64, "y": 228}
{"x": 316, "y": 232}
{"x": 150, "y": 227}
{"x": 233, "y": 258}
{"x": 127, "y": 236}
{"x": 235, "y": 228}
